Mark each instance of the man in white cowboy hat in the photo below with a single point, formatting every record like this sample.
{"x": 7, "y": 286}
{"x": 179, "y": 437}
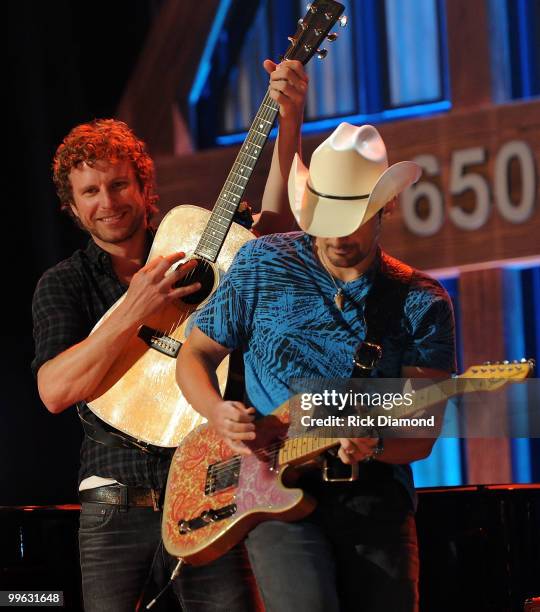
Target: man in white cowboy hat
{"x": 296, "y": 304}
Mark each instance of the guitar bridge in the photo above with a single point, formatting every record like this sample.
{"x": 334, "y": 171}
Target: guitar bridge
{"x": 160, "y": 341}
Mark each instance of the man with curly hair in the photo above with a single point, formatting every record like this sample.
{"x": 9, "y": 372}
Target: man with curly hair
{"x": 105, "y": 181}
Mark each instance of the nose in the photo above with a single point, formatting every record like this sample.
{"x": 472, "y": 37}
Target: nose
{"x": 107, "y": 198}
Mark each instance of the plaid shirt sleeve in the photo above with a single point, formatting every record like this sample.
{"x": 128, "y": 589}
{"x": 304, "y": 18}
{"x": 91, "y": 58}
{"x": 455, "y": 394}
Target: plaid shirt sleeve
{"x": 59, "y": 318}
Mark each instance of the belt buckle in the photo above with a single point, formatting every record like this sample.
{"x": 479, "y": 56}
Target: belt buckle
{"x": 328, "y": 478}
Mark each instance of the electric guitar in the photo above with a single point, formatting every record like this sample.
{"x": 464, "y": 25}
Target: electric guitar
{"x": 214, "y": 498}
{"x": 139, "y": 395}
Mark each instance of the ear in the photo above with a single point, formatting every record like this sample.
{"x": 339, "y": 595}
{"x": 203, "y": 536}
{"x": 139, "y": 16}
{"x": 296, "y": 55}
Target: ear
{"x": 389, "y": 207}
{"x": 74, "y": 210}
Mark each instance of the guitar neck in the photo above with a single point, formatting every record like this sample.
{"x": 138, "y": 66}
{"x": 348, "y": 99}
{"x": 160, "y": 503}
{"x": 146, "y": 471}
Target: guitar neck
{"x": 300, "y": 449}
{"x": 229, "y": 199}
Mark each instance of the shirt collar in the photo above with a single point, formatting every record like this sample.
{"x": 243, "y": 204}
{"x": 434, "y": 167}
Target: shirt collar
{"x": 102, "y": 260}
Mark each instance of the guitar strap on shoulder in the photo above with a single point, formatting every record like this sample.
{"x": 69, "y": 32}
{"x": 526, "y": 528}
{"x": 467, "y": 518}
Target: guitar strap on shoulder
{"x": 383, "y": 312}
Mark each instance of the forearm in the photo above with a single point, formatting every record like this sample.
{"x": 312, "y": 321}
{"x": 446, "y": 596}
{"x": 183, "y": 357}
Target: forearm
{"x": 275, "y": 210}
{"x": 405, "y": 450}
{"x": 76, "y": 373}
{"x": 196, "y": 377}
{"x": 288, "y": 87}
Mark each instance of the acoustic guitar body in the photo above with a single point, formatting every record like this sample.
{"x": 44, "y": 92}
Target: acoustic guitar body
{"x": 139, "y": 395}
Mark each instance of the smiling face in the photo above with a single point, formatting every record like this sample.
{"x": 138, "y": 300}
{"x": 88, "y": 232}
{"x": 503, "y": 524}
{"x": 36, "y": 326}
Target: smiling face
{"x": 108, "y": 202}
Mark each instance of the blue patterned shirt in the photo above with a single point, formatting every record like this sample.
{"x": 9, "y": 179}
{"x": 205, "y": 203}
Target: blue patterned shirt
{"x": 277, "y": 304}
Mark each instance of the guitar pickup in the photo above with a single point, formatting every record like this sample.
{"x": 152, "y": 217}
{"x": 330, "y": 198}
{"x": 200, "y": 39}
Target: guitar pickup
{"x": 205, "y": 518}
{"x": 160, "y": 341}
{"x": 220, "y": 476}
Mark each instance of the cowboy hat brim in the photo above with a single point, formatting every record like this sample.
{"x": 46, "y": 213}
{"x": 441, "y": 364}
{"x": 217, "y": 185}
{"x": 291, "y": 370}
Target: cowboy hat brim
{"x": 333, "y": 218}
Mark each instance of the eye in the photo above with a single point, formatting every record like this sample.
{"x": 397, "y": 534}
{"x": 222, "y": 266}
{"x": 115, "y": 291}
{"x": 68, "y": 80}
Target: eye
{"x": 119, "y": 185}
{"x": 90, "y": 191}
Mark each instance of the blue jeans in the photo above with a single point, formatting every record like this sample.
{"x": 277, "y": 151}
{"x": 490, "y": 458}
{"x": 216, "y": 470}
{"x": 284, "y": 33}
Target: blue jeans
{"x": 123, "y": 562}
{"x": 120, "y": 557}
{"x": 357, "y": 552}
{"x": 354, "y": 553}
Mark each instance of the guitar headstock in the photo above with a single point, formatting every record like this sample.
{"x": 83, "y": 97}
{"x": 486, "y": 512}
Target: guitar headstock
{"x": 498, "y": 373}
{"x": 313, "y": 29}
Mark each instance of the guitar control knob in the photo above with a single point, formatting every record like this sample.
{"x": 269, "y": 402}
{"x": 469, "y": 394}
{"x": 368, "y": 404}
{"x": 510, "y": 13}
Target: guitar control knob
{"x": 332, "y": 36}
{"x": 343, "y": 20}
{"x": 322, "y": 53}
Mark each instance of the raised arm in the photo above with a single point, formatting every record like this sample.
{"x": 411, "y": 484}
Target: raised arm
{"x": 288, "y": 87}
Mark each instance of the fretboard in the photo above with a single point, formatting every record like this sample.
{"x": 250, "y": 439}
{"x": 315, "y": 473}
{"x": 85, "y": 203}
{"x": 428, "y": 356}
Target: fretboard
{"x": 229, "y": 199}
{"x": 302, "y": 448}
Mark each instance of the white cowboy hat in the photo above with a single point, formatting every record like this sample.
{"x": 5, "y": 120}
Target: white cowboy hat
{"x": 348, "y": 182}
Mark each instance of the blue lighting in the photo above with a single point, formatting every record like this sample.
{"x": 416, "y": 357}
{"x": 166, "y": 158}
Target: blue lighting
{"x": 515, "y": 346}
{"x": 323, "y": 125}
{"x": 205, "y": 64}
{"x": 524, "y": 46}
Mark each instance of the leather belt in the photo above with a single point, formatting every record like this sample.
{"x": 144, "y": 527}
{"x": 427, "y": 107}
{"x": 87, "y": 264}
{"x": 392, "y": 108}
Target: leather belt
{"x": 119, "y": 495}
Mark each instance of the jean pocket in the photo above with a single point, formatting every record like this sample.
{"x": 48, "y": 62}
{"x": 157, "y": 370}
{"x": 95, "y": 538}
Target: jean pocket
{"x": 95, "y": 516}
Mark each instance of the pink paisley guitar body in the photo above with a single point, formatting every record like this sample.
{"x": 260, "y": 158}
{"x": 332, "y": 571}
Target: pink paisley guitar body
{"x": 214, "y": 498}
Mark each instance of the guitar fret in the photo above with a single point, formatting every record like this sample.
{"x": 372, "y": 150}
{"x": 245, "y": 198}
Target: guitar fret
{"x": 241, "y": 175}
{"x": 250, "y": 168}
{"x": 246, "y": 162}
{"x": 229, "y": 200}
{"x": 216, "y": 221}
{"x": 252, "y": 156}
{"x": 228, "y": 204}
{"x": 234, "y": 186}
{"x": 213, "y": 232}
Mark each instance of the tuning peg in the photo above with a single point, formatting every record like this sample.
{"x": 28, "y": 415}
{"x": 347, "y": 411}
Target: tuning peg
{"x": 311, "y": 8}
{"x": 290, "y": 39}
{"x": 302, "y": 24}
{"x": 332, "y": 36}
{"x": 343, "y": 20}
{"x": 322, "y": 53}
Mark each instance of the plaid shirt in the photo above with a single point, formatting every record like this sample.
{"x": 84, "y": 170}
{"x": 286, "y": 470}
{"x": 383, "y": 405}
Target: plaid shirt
{"x": 69, "y": 300}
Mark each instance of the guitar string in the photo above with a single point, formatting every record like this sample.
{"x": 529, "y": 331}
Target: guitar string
{"x": 267, "y": 452}
{"x": 267, "y": 112}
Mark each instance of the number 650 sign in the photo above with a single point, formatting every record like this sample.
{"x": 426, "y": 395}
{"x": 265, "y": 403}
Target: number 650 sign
{"x": 461, "y": 179}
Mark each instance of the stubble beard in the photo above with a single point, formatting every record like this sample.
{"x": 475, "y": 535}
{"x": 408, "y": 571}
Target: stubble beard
{"x": 127, "y": 234}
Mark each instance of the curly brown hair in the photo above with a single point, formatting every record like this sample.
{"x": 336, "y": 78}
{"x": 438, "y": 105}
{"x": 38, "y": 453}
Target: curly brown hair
{"x": 103, "y": 139}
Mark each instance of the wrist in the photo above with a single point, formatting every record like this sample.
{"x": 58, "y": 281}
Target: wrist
{"x": 376, "y": 450}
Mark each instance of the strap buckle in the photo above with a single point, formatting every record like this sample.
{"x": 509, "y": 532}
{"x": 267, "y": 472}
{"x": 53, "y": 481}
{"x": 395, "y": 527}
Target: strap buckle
{"x": 367, "y": 355}
{"x": 327, "y": 472}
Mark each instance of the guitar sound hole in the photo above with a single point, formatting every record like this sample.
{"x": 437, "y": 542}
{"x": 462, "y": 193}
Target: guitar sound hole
{"x": 204, "y": 274}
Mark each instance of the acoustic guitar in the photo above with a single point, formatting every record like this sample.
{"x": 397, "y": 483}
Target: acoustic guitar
{"x": 214, "y": 498}
{"x": 139, "y": 395}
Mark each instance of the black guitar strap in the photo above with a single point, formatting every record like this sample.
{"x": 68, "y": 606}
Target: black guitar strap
{"x": 98, "y": 431}
{"x": 383, "y": 313}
